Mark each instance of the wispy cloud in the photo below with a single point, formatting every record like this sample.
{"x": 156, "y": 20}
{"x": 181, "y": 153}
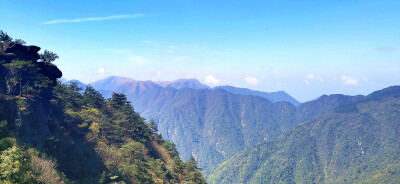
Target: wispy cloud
{"x": 87, "y": 19}
{"x": 251, "y": 80}
{"x": 148, "y": 42}
{"x": 100, "y": 71}
{"x": 212, "y": 80}
{"x": 139, "y": 59}
{"x": 310, "y": 77}
{"x": 349, "y": 80}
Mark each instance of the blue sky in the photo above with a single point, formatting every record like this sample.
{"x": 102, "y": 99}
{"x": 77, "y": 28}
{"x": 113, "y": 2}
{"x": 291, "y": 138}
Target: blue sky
{"x": 306, "y": 48}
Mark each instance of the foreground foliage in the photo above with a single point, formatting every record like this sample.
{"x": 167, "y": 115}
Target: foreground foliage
{"x": 55, "y": 133}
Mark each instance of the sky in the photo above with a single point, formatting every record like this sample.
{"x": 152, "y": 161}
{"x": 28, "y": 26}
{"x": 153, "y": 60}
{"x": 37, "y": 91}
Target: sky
{"x": 306, "y": 48}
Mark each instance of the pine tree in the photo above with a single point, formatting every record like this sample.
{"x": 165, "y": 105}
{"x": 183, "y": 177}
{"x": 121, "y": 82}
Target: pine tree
{"x": 93, "y": 98}
{"x": 48, "y": 56}
{"x": 153, "y": 126}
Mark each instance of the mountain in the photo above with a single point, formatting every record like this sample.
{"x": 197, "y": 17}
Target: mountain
{"x": 323, "y": 104}
{"x": 273, "y": 97}
{"x": 130, "y": 86}
{"x": 213, "y": 124}
{"x": 183, "y": 83}
{"x": 55, "y": 133}
{"x": 357, "y": 142}
{"x": 79, "y": 83}
{"x": 125, "y": 85}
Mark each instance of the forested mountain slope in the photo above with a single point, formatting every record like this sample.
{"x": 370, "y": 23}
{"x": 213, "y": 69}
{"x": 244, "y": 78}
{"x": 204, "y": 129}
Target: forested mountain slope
{"x": 278, "y": 96}
{"x": 357, "y": 142}
{"x": 56, "y": 133}
{"x": 213, "y": 124}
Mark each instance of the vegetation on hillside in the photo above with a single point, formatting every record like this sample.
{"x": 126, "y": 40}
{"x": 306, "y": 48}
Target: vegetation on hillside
{"x": 354, "y": 143}
{"x": 56, "y": 133}
{"x": 214, "y": 125}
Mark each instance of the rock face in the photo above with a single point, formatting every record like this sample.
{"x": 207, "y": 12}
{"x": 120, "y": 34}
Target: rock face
{"x": 50, "y": 70}
{"x": 18, "y": 51}
{"x": 10, "y": 52}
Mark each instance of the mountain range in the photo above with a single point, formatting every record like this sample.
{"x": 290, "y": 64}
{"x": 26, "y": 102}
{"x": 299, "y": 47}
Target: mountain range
{"x": 213, "y": 124}
{"x": 357, "y": 142}
{"x": 273, "y": 96}
{"x": 240, "y": 136}
{"x": 115, "y": 83}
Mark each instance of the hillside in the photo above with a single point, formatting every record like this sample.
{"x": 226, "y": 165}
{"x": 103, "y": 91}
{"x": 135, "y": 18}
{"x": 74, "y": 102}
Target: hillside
{"x": 278, "y": 96}
{"x": 56, "y": 133}
{"x": 201, "y": 121}
{"x": 357, "y": 142}
{"x": 214, "y": 125}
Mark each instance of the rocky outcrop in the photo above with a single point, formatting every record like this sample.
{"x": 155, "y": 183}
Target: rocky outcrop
{"x": 49, "y": 70}
{"x": 35, "y": 125}
{"x": 21, "y": 52}
{"x": 29, "y": 53}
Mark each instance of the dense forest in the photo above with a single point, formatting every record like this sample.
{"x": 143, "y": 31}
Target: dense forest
{"x": 214, "y": 124}
{"x": 357, "y": 142}
{"x": 56, "y": 133}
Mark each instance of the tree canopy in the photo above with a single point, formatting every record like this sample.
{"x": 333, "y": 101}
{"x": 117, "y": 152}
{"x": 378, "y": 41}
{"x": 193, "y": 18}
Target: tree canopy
{"x": 48, "y": 56}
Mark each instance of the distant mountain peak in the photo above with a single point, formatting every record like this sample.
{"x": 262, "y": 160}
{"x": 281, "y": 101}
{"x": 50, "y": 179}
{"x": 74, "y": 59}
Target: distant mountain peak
{"x": 183, "y": 83}
{"x": 79, "y": 83}
{"x": 389, "y": 91}
{"x": 118, "y": 79}
{"x": 273, "y": 96}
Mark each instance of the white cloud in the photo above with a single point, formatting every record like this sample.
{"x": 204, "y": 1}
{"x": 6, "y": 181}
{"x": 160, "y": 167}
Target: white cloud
{"x": 148, "y": 42}
{"x": 251, "y": 80}
{"x": 310, "y": 76}
{"x": 172, "y": 47}
{"x": 100, "y": 71}
{"x": 93, "y": 19}
{"x": 212, "y": 80}
{"x": 139, "y": 59}
{"x": 349, "y": 80}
